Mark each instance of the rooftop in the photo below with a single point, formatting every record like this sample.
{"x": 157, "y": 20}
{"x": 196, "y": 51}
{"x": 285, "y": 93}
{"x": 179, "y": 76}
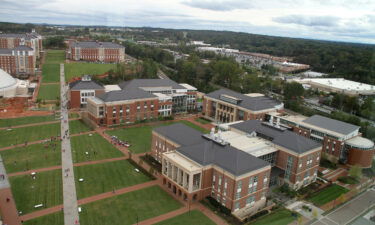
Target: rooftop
{"x": 144, "y": 83}
{"x": 93, "y": 44}
{"x": 331, "y": 124}
{"x": 123, "y": 95}
{"x": 256, "y": 103}
{"x": 206, "y": 152}
{"x": 340, "y": 83}
{"x": 85, "y": 85}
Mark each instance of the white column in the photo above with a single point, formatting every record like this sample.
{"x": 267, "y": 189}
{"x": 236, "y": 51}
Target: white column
{"x": 191, "y": 182}
{"x": 184, "y": 176}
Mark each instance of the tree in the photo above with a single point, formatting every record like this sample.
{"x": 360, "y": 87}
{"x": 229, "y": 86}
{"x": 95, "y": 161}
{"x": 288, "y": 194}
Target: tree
{"x": 293, "y": 90}
{"x": 355, "y": 172}
{"x": 54, "y": 42}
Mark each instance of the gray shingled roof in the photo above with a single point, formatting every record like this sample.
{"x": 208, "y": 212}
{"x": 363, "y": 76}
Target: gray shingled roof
{"x": 125, "y": 95}
{"x": 251, "y": 103}
{"x": 93, "y": 44}
{"x": 137, "y": 83}
{"x": 85, "y": 85}
{"x": 284, "y": 138}
{"x": 8, "y": 51}
{"x": 205, "y": 152}
{"x": 331, "y": 124}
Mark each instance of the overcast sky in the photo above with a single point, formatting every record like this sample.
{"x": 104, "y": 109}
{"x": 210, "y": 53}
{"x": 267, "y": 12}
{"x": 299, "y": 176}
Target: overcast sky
{"x": 338, "y": 20}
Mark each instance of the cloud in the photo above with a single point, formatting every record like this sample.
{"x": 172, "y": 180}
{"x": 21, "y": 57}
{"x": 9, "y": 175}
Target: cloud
{"x": 311, "y": 21}
{"x": 219, "y": 5}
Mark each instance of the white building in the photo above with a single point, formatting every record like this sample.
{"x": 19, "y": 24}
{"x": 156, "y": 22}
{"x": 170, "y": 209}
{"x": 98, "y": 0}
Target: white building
{"x": 11, "y": 87}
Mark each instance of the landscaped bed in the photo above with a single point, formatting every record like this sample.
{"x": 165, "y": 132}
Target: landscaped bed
{"x": 46, "y": 189}
{"x": 91, "y": 147}
{"x": 278, "y": 217}
{"x": 105, "y": 177}
{"x": 327, "y": 194}
{"x": 128, "y": 208}
{"x": 202, "y": 120}
{"x": 192, "y": 217}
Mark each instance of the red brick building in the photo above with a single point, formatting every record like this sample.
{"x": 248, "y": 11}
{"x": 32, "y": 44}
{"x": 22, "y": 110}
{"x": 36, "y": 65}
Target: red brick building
{"x": 228, "y": 106}
{"x": 82, "y": 89}
{"x": 107, "y": 52}
{"x": 341, "y": 141}
{"x": 235, "y": 167}
{"x": 32, "y": 40}
{"x": 139, "y": 99}
{"x": 18, "y": 60}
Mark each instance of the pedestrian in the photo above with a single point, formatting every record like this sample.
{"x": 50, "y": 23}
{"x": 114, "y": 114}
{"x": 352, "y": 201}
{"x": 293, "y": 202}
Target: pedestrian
{"x": 8, "y": 200}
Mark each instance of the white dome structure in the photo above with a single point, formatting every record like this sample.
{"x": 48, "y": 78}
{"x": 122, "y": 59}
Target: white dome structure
{"x": 11, "y": 87}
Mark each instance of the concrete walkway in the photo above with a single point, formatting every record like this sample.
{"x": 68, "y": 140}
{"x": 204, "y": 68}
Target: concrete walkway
{"x": 69, "y": 187}
{"x": 348, "y": 212}
{"x": 7, "y": 205}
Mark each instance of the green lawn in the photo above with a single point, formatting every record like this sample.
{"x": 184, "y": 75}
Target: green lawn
{"x": 32, "y": 157}
{"x": 33, "y": 133}
{"x": 55, "y": 56}
{"x": 327, "y": 194}
{"x": 190, "y": 124}
{"x": 124, "y": 209}
{"x": 104, "y": 177}
{"x": 46, "y": 189}
{"x": 202, "y": 120}
{"x": 52, "y": 219}
{"x": 49, "y": 92}
{"x": 51, "y": 73}
{"x": 51, "y": 66}
{"x": 96, "y": 147}
{"x": 80, "y": 69}
{"x": 40, "y": 132}
{"x": 77, "y": 126}
{"x": 140, "y": 137}
{"x": 192, "y": 217}
{"x": 278, "y": 217}
{"x": 25, "y": 120}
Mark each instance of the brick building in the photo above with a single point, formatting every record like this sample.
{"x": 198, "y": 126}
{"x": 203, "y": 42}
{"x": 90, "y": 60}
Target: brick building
{"x": 228, "y": 106}
{"x": 32, "y": 40}
{"x": 80, "y": 90}
{"x": 236, "y": 167}
{"x": 107, "y": 52}
{"x": 18, "y": 60}
{"x": 341, "y": 141}
{"x": 139, "y": 99}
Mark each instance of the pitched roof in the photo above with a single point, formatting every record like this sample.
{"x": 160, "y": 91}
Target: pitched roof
{"x": 8, "y": 51}
{"x": 281, "y": 137}
{"x": 93, "y": 44}
{"x": 252, "y": 103}
{"x": 331, "y": 124}
{"x": 137, "y": 83}
{"x": 85, "y": 85}
{"x": 205, "y": 152}
{"x": 125, "y": 95}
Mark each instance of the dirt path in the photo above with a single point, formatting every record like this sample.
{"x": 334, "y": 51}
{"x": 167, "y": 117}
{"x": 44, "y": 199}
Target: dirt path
{"x": 8, "y": 208}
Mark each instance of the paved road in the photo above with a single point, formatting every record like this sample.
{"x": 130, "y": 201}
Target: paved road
{"x": 349, "y": 211}
{"x": 69, "y": 187}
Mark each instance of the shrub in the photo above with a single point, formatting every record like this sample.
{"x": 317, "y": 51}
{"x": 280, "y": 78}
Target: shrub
{"x": 348, "y": 180}
{"x": 258, "y": 214}
{"x": 327, "y": 164}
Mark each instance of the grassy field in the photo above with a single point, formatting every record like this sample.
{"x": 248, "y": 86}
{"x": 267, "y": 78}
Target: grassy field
{"x": 104, "y": 177}
{"x": 40, "y": 132}
{"x": 49, "y": 92}
{"x": 327, "y": 194}
{"x": 192, "y": 217}
{"x": 55, "y": 56}
{"x": 50, "y": 73}
{"x": 32, "y": 157}
{"x": 46, "y": 189}
{"x": 192, "y": 125}
{"x": 53, "y": 219}
{"x": 96, "y": 147}
{"x": 140, "y": 137}
{"x": 25, "y": 120}
{"x": 278, "y": 217}
{"x": 51, "y": 66}
{"x": 80, "y": 69}
{"x": 77, "y": 126}
{"x": 144, "y": 204}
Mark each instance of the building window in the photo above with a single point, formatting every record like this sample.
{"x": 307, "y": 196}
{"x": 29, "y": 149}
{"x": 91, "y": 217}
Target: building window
{"x": 250, "y": 200}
